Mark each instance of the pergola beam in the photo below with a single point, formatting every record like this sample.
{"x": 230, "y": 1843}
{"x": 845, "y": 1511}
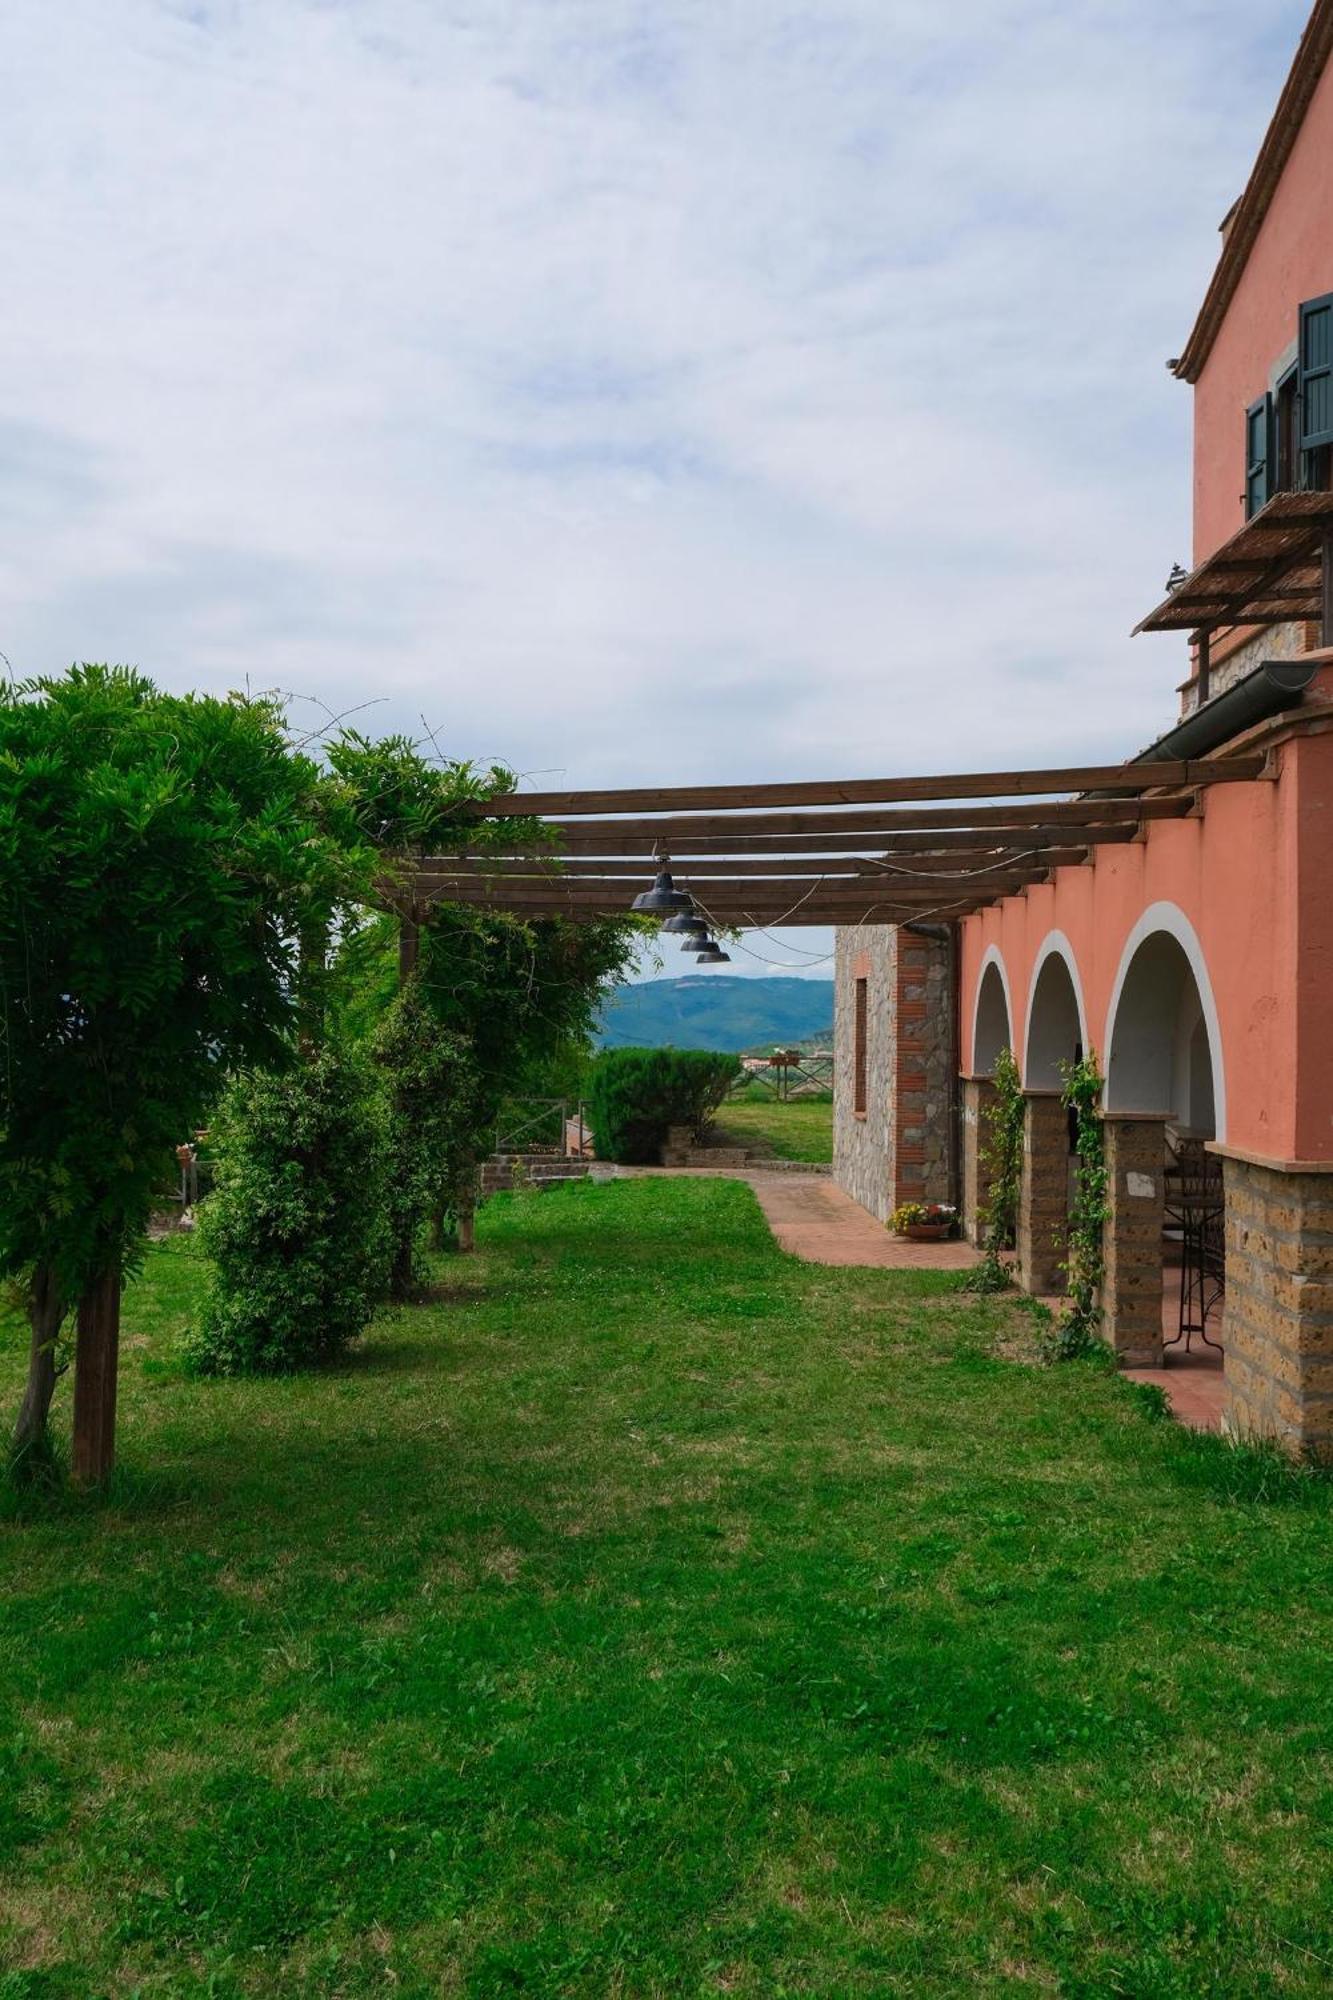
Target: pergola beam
{"x": 1166, "y": 774}
{"x": 954, "y": 841}
{"x": 867, "y": 820}
{"x": 851, "y": 868}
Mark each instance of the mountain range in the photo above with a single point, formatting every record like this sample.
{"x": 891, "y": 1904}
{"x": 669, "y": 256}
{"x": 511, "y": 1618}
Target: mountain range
{"x": 708, "y": 1011}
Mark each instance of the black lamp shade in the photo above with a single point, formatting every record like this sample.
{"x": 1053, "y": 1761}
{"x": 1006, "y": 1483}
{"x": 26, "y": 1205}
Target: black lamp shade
{"x": 684, "y": 920}
{"x": 664, "y": 899}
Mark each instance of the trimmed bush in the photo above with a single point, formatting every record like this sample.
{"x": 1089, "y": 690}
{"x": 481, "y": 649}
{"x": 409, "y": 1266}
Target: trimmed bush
{"x": 636, "y": 1095}
{"x": 297, "y": 1225}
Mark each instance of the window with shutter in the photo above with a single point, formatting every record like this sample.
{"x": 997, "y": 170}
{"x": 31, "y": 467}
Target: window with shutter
{"x": 1316, "y": 373}
{"x": 1258, "y": 434}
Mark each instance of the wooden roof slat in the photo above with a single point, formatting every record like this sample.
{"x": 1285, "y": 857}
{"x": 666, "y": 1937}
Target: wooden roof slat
{"x": 888, "y": 820}
{"x": 849, "y": 868}
{"x": 952, "y": 840}
{"x": 1281, "y": 545}
{"x": 1172, "y": 774}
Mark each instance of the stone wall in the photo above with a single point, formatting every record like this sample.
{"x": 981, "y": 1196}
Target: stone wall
{"x": 507, "y": 1170}
{"x": 1132, "y": 1242}
{"x": 1276, "y": 642}
{"x": 978, "y": 1106}
{"x": 925, "y": 1080}
{"x": 901, "y": 1149}
{"x": 863, "y": 1146}
{"x": 1278, "y": 1327}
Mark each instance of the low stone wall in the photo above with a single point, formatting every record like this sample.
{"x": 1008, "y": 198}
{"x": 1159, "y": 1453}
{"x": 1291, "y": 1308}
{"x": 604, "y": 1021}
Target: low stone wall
{"x": 1278, "y": 1325}
{"x": 507, "y": 1170}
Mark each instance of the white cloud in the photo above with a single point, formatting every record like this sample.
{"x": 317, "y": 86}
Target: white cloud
{"x": 704, "y": 389}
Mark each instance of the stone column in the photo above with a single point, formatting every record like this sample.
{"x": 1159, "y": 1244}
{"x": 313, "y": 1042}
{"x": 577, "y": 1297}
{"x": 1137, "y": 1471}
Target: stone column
{"x": 1043, "y": 1203}
{"x": 1278, "y": 1324}
{"x": 978, "y": 1098}
{"x": 1132, "y": 1280}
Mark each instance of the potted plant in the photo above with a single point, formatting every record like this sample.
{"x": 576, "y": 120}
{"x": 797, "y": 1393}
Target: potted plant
{"x": 924, "y": 1221}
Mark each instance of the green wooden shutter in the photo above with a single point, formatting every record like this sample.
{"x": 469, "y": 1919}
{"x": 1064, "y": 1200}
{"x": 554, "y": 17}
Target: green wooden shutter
{"x": 1316, "y": 363}
{"x": 1258, "y": 454}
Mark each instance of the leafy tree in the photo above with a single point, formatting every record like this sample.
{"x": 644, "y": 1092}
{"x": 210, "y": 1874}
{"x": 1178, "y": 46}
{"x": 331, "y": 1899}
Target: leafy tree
{"x": 297, "y": 1225}
{"x": 159, "y": 857}
{"x": 515, "y": 992}
{"x": 431, "y": 1092}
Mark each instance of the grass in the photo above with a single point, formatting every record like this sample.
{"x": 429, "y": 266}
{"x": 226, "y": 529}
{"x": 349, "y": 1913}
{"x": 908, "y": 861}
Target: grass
{"x": 652, "y": 1615}
{"x": 800, "y": 1129}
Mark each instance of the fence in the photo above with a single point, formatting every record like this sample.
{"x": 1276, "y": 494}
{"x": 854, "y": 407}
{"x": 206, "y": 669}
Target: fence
{"x": 788, "y": 1073}
{"x": 555, "y": 1126}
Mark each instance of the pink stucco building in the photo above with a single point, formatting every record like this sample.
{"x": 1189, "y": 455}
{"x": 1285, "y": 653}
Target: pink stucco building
{"x": 1196, "y": 959}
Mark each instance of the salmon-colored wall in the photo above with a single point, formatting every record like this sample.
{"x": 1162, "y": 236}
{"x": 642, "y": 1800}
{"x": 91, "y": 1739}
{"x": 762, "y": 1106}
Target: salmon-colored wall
{"x": 1250, "y": 876}
{"x": 1291, "y": 261}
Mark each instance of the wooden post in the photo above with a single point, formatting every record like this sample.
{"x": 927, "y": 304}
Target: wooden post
{"x": 467, "y": 1229}
{"x": 1326, "y": 633}
{"x": 96, "y": 1355}
{"x": 1204, "y": 664}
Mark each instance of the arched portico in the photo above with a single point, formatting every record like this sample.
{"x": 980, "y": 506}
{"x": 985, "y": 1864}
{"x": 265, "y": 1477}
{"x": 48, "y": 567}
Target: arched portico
{"x": 1057, "y": 1028}
{"x": 993, "y": 1016}
{"x": 992, "y": 1034}
{"x": 1163, "y": 1038}
{"x": 1056, "y": 1037}
{"x": 1165, "y": 1100}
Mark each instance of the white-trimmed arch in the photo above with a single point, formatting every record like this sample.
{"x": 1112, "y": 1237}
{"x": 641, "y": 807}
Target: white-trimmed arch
{"x": 1059, "y": 1025}
{"x": 987, "y": 1040}
{"x": 1167, "y": 920}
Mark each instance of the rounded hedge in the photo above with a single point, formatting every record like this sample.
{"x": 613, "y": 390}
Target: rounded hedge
{"x": 297, "y": 1225}
{"x": 636, "y": 1095}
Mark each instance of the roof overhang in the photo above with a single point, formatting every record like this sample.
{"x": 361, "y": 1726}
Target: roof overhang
{"x": 1241, "y": 230}
{"x": 1270, "y": 572}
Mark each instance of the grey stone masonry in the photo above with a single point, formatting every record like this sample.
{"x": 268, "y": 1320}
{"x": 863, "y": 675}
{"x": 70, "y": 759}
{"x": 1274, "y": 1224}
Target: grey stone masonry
{"x": 863, "y": 1145}
{"x": 1278, "y": 1325}
{"x": 978, "y": 1102}
{"x": 1043, "y": 1205}
{"x": 1132, "y": 1244}
{"x": 899, "y": 1147}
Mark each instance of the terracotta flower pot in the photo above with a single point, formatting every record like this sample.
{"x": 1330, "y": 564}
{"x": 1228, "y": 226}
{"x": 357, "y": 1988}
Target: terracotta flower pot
{"x": 926, "y": 1232}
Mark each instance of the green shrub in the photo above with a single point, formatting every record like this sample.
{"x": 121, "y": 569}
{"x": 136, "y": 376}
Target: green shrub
{"x": 297, "y": 1225}
{"x": 635, "y": 1095}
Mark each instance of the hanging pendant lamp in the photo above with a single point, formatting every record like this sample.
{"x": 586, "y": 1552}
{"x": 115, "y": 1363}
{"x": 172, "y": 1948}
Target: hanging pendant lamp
{"x": 664, "y": 899}
{"x": 713, "y": 954}
{"x": 684, "y": 920}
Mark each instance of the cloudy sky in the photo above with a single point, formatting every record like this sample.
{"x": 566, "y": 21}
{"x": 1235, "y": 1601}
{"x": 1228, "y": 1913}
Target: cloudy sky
{"x": 635, "y": 390}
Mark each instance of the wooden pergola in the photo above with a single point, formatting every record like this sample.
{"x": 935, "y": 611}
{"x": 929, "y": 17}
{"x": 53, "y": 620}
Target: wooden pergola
{"x": 865, "y": 850}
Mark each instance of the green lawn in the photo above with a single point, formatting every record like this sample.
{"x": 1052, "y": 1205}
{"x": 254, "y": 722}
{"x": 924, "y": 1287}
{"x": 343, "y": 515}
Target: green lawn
{"x": 653, "y": 1615}
{"x": 800, "y": 1129}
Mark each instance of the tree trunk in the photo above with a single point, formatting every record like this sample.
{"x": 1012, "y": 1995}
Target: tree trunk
{"x": 95, "y": 1358}
{"x": 45, "y": 1313}
{"x": 402, "y": 1273}
{"x": 467, "y": 1226}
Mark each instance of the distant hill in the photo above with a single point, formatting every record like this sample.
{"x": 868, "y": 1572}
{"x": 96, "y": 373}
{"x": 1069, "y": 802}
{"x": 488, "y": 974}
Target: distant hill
{"x": 705, "y": 1011}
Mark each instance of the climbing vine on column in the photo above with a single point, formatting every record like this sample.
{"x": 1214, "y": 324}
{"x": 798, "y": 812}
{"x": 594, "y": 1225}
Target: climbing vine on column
{"x": 1003, "y": 1155}
{"x": 1085, "y": 1263}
